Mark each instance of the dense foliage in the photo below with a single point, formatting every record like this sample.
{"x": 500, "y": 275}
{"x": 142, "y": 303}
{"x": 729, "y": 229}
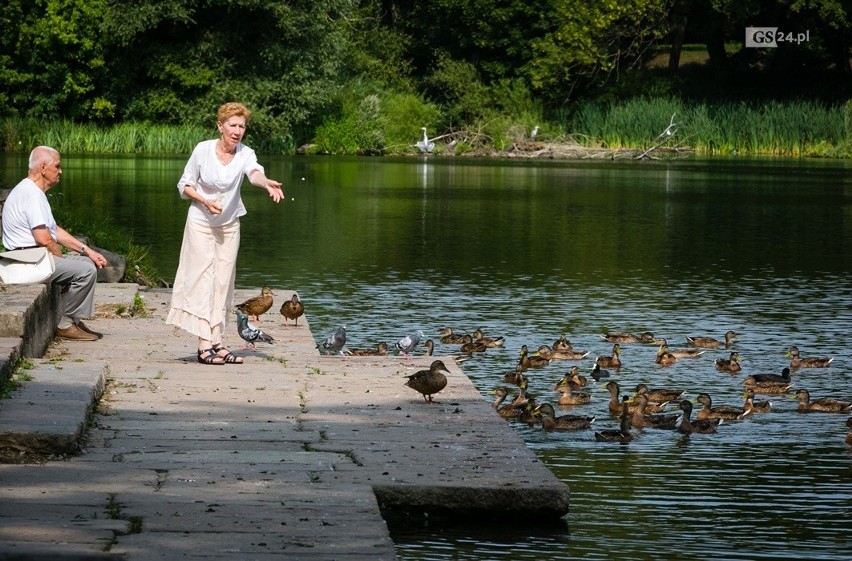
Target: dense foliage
{"x": 362, "y": 76}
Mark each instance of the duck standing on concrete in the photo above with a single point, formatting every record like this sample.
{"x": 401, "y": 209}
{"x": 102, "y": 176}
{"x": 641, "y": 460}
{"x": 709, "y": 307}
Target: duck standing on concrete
{"x": 249, "y": 333}
{"x": 292, "y": 309}
{"x": 254, "y": 307}
{"x": 429, "y": 382}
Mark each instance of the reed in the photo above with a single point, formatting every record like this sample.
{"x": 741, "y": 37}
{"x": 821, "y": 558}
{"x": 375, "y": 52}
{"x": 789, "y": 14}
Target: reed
{"x": 791, "y": 128}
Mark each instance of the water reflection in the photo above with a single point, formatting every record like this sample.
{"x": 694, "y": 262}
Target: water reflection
{"x": 530, "y": 250}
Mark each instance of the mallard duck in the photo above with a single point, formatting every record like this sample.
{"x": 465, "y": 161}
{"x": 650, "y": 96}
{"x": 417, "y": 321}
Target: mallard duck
{"x": 612, "y": 361}
{"x": 659, "y": 395}
{"x": 380, "y": 350}
{"x": 614, "y": 403}
{"x": 469, "y": 346}
{"x": 429, "y": 382}
{"x": 811, "y": 362}
{"x": 571, "y": 397}
{"x": 848, "y": 440}
{"x": 562, "y": 344}
{"x": 553, "y": 354}
{"x": 448, "y": 337}
{"x": 783, "y": 378}
{"x": 292, "y": 309}
{"x": 510, "y": 410}
{"x": 490, "y": 342}
{"x": 772, "y": 388}
{"x": 254, "y": 307}
{"x": 687, "y": 426}
{"x": 626, "y": 337}
{"x": 639, "y": 419}
{"x": 516, "y": 377}
{"x": 532, "y": 361}
{"x": 727, "y": 412}
{"x": 549, "y": 420}
{"x": 731, "y": 364}
{"x": 823, "y": 404}
{"x": 622, "y": 433}
{"x": 664, "y": 357}
{"x": 761, "y": 406}
{"x": 711, "y": 343}
{"x": 572, "y": 380}
{"x": 682, "y": 353}
{"x": 598, "y": 373}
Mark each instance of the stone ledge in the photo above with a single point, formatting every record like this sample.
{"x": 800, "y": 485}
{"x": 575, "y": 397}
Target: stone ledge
{"x": 30, "y": 312}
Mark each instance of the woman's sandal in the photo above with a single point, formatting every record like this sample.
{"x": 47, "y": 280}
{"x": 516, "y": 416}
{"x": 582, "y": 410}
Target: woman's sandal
{"x": 209, "y": 356}
{"x": 228, "y": 357}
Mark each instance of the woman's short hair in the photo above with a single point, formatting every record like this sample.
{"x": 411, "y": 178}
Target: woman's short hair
{"x": 230, "y": 109}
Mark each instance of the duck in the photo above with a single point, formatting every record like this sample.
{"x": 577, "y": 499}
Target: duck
{"x": 469, "y": 346}
{"x": 614, "y": 403}
{"x": 848, "y": 440}
{"x": 731, "y": 364}
{"x": 490, "y": 342}
{"x": 430, "y": 346}
{"x": 562, "y": 344}
{"x": 761, "y": 406}
{"x": 811, "y": 362}
{"x": 573, "y": 380}
{"x": 664, "y": 357}
{"x": 659, "y": 395}
{"x": 711, "y": 343}
{"x": 823, "y": 404}
{"x": 639, "y": 419}
{"x": 380, "y": 350}
{"x": 727, "y": 412}
{"x": 292, "y": 309}
{"x": 626, "y": 337}
{"x": 549, "y": 420}
{"x": 682, "y": 353}
{"x": 687, "y": 426}
{"x": 429, "y": 382}
{"x": 510, "y": 410}
{"x": 547, "y": 352}
{"x": 783, "y": 378}
{"x": 257, "y": 305}
{"x": 532, "y": 361}
{"x": 612, "y": 361}
{"x": 571, "y": 397}
{"x": 598, "y": 373}
{"x": 622, "y": 434}
{"x": 772, "y": 388}
{"x": 449, "y": 337}
{"x": 515, "y": 377}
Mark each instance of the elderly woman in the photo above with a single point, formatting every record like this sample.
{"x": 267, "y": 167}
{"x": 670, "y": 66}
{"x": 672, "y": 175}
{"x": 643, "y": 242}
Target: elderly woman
{"x": 203, "y": 290}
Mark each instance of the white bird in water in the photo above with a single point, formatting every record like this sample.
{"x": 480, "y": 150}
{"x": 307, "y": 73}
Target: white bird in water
{"x": 426, "y": 146}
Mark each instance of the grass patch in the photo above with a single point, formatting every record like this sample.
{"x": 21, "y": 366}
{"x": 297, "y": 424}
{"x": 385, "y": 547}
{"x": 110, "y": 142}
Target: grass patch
{"x": 17, "y": 378}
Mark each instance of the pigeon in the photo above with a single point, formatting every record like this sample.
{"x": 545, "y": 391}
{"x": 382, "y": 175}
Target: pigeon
{"x": 334, "y": 343}
{"x": 249, "y": 332}
{"x": 257, "y": 305}
{"x": 408, "y": 343}
{"x": 292, "y": 309}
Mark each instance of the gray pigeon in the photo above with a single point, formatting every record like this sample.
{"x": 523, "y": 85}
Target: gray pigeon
{"x": 249, "y": 333}
{"x": 335, "y": 342}
{"x": 408, "y": 343}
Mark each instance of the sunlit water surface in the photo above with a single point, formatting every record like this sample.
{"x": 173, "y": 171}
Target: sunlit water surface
{"x": 532, "y": 250}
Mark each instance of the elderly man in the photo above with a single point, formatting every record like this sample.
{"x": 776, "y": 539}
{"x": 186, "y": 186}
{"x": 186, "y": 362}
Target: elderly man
{"x": 28, "y": 222}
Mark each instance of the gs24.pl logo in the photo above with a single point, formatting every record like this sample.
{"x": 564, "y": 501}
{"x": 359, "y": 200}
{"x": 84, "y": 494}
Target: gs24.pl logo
{"x": 764, "y": 37}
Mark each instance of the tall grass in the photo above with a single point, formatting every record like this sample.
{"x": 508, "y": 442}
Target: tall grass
{"x": 793, "y": 128}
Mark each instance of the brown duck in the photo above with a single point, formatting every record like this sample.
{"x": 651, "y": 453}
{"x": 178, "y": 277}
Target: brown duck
{"x": 292, "y": 309}
{"x": 531, "y": 361}
{"x": 562, "y": 344}
{"x": 612, "y": 361}
{"x": 682, "y": 353}
{"x": 711, "y": 343}
{"x": 622, "y": 434}
{"x": 760, "y": 406}
{"x": 490, "y": 342}
{"x": 659, "y": 395}
{"x": 470, "y": 346}
{"x": 449, "y": 337}
{"x": 615, "y": 405}
{"x": 727, "y": 412}
{"x": 626, "y": 337}
{"x": 380, "y": 350}
{"x": 429, "y": 382}
{"x": 573, "y": 380}
{"x": 688, "y": 426}
{"x": 823, "y": 404}
{"x": 639, "y": 419}
{"x": 731, "y": 364}
{"x": 549, "y": 420}
{"x": 571, "y": 397}
{"x": 510, "y": 410}
{"x": 810, "y": 362}
{"x": 664, "y": 357}
{"x": 547, "y": 352}
{"x": 253, "y": 307}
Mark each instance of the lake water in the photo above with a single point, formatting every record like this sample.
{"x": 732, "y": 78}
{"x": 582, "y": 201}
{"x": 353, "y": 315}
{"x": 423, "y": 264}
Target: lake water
{"x": 533, "y": 249}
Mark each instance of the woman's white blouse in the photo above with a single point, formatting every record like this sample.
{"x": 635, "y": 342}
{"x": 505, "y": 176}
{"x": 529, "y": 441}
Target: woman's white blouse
{"x": 217, "y": 181}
